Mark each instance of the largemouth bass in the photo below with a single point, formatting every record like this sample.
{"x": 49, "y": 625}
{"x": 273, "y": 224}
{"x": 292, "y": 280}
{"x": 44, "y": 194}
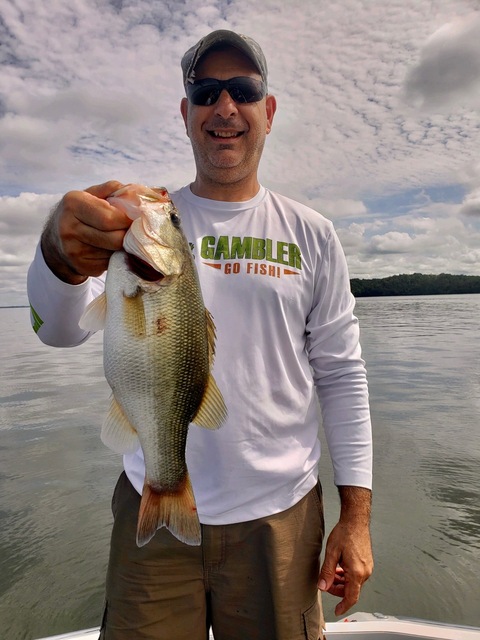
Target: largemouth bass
{"x": 158, "y": 354}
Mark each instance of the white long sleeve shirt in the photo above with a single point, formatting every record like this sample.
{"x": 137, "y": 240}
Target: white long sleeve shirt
{"x": 275, "y": 279}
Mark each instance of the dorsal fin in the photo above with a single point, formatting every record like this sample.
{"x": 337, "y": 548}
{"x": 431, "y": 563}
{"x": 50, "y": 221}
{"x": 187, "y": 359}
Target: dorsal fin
{"x": 212, "y": 411}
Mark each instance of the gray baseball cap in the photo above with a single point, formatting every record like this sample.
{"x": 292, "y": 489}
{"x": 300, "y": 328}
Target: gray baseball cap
{"x": 220, "y": 38}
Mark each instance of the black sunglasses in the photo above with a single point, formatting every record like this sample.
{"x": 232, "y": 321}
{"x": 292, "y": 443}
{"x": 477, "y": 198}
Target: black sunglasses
{"x": 242, "y": 89}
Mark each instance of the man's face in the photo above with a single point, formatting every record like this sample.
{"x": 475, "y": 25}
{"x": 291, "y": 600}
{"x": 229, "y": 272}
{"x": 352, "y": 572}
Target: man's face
{"x": 227, "y": 138}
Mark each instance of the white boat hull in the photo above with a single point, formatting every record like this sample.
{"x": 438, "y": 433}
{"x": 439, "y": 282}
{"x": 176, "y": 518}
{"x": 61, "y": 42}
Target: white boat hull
{"x": 358, "y": 626}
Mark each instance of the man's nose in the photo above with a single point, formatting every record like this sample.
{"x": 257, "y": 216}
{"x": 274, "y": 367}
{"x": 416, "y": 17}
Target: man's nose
{"x": 225, "y": 105}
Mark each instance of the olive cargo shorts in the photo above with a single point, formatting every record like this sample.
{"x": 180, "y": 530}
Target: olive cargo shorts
{"x": 254, "y": 580}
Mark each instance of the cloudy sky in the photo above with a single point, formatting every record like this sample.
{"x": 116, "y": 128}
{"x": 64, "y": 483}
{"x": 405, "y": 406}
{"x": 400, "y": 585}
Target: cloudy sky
{"x": 377, "y": 124}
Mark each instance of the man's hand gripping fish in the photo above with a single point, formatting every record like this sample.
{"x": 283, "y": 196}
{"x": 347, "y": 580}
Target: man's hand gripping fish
{"x": 158, "y": 354}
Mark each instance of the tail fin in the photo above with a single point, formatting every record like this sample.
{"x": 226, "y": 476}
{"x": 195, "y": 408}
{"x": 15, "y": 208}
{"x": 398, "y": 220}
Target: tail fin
{"x": 175, "y": 510}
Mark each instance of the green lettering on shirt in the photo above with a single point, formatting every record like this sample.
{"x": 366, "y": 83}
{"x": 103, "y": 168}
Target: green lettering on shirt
{"x": 241, "y": 248}
{"x": 222, "y": 250}
{"x": 249, "y": 248}
{"x": 207, "y": 250}
{"x": 36, "y": 320}
{"x": 258, "y": 249}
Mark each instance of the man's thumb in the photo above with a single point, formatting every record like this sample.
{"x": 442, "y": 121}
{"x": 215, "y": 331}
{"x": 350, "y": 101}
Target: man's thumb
{"x": 327, "y": 575}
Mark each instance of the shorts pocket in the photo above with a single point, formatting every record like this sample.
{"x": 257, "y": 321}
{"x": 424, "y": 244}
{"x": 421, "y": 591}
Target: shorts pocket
{"x": 311, "y": 622}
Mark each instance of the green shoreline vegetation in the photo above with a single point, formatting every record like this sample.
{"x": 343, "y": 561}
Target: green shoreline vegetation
{"x": 415, "y": 284}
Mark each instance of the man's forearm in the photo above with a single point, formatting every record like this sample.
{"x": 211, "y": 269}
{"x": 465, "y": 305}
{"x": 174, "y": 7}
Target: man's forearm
{"x": 356, "y": 504}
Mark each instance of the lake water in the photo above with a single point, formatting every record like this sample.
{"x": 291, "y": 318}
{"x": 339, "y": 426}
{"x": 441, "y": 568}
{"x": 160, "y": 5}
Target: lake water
{"x": 56, "y": 477}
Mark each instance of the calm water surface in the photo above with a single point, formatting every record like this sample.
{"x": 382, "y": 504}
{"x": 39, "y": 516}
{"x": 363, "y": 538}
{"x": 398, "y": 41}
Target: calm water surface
{"x": 56, "y": 477}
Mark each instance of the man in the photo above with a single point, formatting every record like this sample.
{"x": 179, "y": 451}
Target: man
{"x": 275, "y": 279}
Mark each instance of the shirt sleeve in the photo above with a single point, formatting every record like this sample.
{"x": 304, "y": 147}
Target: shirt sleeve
{"x": 56, "y": 307}
{"x": 339, "y": 370}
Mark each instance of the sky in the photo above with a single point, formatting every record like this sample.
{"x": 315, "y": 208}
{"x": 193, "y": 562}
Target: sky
{"x": 377, "y": 125}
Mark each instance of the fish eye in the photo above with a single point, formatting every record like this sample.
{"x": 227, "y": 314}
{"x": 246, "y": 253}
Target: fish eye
{"x": 175, "y": 218}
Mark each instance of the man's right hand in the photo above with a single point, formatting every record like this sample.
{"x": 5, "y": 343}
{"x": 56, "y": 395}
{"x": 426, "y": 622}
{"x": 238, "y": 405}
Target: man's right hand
{"x": 83, "y": 232}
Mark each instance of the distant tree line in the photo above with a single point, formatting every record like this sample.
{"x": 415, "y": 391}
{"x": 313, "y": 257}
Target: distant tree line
{"x": 415, "y": 284}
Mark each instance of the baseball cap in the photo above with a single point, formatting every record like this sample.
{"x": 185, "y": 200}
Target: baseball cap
{"x": 219, "y": 38}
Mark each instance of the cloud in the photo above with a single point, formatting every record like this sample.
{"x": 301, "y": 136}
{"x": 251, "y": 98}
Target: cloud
{"x": 429, "y": 237}
{"x": 471, "y": 204}
{"x": 21, "y": 221}
{"x": 339, "y": 209}
{"x": 90, "y": 91}
{"x": 392, "y": 242}
{"x": 448, "y": 73}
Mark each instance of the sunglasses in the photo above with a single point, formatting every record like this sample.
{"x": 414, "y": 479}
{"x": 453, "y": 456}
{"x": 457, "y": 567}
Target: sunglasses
{"x": 242, "y": 89}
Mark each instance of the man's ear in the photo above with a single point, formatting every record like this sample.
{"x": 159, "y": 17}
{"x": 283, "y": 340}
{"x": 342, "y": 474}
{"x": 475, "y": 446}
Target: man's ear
{"x": 271, "y": 107}
{"x": 184, "y": 112}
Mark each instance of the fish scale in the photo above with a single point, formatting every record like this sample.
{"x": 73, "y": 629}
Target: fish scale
{"x": 158, "y": 355}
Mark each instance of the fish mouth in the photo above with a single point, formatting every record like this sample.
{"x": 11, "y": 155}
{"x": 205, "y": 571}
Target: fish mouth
{"x": 142, "y": 269}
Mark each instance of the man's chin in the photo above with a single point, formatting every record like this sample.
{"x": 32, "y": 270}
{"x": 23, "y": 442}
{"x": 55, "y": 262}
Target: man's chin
{"x": 225, "y": 159}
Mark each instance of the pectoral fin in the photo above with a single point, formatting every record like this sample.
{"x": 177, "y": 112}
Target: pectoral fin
{"x": 212, "y": 412}
{"x": 117, "y": 432}
{"x": 94, "y": 316}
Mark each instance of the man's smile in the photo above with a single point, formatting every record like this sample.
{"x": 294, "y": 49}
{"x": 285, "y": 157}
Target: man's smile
{"x": 224, "y": 134}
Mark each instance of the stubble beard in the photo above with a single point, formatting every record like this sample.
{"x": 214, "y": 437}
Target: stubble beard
{"x": 218, "y": 168}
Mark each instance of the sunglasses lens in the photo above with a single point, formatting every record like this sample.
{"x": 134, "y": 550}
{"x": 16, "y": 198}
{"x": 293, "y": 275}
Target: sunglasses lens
{"x": 206, "y": 92}
{"x": 245, "y": 92}
{"x": 203, "y": 96}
